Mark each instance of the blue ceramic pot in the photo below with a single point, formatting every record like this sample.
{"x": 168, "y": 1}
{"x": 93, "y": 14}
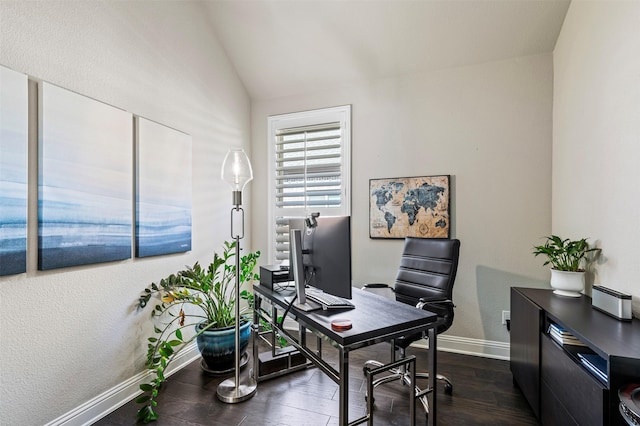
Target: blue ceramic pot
{"x": 218, "y": 346}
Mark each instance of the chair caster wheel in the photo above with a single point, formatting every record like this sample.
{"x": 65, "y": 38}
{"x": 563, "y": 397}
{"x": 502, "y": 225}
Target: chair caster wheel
{"x": 448, "y": 389}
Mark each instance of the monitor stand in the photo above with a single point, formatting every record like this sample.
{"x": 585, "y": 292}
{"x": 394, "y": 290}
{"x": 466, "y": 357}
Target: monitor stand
{"x": 295, "y": 239}
{"x": 307, "y": 306}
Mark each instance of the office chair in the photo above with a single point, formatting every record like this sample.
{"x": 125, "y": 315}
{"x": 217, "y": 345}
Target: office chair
{"x": 425, "y": 280}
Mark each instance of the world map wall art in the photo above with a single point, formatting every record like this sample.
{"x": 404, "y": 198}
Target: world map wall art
{"x": 13, "y": 171}
{"x": 85, "y": 176}
{"x": 409, "y": 207}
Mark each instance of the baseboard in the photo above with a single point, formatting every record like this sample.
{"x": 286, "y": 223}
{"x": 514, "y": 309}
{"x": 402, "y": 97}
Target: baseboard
{"x": 468, "y": 346}
{"x": 114, "y": 398}
{"x": 109, "y": 401}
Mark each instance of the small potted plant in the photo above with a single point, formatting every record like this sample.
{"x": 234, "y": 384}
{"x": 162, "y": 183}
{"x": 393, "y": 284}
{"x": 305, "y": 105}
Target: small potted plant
{"x": 202, "y": 299}
{"x": 565, "y": 257}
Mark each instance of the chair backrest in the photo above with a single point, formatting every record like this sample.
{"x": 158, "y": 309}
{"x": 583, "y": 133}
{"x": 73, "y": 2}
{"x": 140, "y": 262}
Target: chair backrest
{"x": 428, "y": 269}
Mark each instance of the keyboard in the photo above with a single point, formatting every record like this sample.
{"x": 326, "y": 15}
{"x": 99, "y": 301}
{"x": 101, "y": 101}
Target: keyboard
{"x": 328, "y": 301}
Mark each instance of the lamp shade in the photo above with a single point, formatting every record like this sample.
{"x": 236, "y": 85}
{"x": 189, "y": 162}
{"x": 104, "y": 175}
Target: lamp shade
{"x": 236, "y": 169}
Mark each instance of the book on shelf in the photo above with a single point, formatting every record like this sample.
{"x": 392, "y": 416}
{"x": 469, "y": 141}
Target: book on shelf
{"x": 562, "y": 336}
{"x": 559, "y": 330}
{"x": 594, "y": 363}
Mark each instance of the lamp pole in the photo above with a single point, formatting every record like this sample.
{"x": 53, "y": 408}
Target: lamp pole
{"x": 236, "y": 170}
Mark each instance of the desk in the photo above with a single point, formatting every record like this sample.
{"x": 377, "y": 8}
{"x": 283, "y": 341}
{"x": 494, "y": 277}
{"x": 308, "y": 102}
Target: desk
{"x": 375, "y": 319}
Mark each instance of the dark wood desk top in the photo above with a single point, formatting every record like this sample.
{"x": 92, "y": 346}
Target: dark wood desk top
{"x": 373, "y": 317}
{"x": 603, "y": 333}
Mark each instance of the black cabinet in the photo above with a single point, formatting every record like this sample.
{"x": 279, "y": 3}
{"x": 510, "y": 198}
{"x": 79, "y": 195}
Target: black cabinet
{"x": 553, "y": 378}
{"x": 526, "y": 323}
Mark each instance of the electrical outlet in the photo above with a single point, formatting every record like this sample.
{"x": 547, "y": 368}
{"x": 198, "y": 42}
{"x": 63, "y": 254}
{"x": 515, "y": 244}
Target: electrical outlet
{"x": 506, "y": 316}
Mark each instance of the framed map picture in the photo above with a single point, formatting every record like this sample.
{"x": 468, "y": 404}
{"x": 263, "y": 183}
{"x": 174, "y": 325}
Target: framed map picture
{"x": 409, "y": 207}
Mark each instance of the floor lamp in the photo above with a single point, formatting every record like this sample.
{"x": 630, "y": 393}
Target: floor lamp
{"x": 236, "y": 170}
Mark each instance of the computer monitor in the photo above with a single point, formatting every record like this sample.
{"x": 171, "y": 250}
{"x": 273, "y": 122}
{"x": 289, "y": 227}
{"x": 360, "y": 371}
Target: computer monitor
{"x": 326, "y": 253}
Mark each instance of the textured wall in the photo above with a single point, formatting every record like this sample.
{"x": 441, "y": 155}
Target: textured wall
{"x": 68, "y": 335}
{"x": 487, "y": 125}
{"x": 596, "y": 127}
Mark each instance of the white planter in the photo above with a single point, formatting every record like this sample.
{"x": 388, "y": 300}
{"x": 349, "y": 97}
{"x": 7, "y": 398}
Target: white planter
{"x": 566, "y": 283}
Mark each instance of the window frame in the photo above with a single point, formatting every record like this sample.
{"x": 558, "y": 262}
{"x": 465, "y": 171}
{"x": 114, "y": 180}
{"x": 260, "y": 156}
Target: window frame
{"x": 341, "y": 114}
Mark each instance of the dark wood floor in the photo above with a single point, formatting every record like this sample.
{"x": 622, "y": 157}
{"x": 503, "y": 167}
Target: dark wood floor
{"x": 483, "y": 394}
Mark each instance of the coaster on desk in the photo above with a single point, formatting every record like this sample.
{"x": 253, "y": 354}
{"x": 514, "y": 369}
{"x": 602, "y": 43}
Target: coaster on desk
{"x": 341, "y": 324}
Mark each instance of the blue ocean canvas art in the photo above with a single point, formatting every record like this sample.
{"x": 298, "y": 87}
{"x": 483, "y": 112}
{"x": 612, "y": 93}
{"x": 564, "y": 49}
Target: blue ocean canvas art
{"x": 163, "y": 190}
{"x": 13, "y": 171}
{"x": 85, "y": 180}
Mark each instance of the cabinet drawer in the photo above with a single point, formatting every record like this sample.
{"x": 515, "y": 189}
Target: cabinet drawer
{"x": 553, "y": 412}
{"x": 582, "y": 395}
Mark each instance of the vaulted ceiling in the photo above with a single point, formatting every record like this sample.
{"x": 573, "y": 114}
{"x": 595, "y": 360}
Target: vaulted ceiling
{"x": 287, "y": 47}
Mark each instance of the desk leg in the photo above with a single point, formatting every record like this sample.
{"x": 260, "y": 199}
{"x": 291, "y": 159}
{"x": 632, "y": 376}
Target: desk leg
{"x": 431, "y": 396}
{"x": 302, "y": 335}
{"x": 255, "y": 335}
{"x": 344, "y": 387}
{"x": 274, "y": 321}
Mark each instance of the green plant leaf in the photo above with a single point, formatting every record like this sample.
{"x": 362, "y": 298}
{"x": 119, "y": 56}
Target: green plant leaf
{"x": 151, "y": 416}
{"x": 142, "y": 399}
{"x": 165, "y": 351}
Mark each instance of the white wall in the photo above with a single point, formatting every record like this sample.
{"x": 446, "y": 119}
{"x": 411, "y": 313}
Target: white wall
{"x": 596, "y": 133}
{"x": 68, "y": 335}
{"x": 489, "y": 126}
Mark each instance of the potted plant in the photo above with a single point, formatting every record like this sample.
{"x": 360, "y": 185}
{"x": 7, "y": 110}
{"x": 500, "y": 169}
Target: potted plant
{"x": 565, "y": 257}
{"x": 202, "y": 299}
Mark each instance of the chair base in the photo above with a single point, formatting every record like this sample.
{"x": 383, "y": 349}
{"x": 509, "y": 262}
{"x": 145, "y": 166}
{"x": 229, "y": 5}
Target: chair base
{"x": 404, "y": 377}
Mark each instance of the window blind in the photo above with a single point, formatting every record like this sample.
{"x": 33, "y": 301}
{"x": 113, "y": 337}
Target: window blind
{"x": 309, "y": 166}
{"x": 308, "y": 175}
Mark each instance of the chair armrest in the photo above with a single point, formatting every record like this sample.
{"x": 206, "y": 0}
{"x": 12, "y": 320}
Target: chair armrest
{"x": 378, "y": 285}
{"x": 424, "y": 301}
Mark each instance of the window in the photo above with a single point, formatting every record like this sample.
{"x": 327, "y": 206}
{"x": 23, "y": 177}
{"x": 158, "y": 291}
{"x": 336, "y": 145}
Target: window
{"x": 309, "y": 170}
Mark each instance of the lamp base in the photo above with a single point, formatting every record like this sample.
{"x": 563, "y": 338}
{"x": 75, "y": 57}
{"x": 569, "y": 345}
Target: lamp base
{"x": 229, "y": 393}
